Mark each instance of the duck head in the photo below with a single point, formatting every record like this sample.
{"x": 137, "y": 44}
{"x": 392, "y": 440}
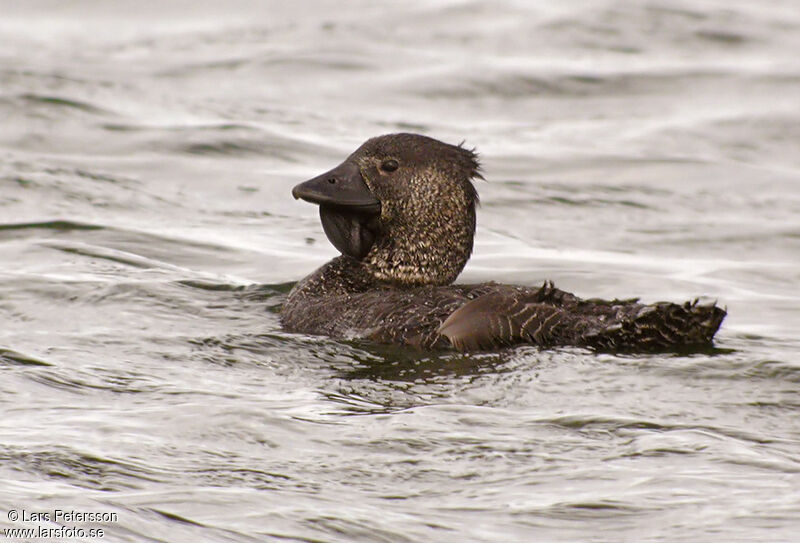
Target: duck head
{"x": 403, "y": 205}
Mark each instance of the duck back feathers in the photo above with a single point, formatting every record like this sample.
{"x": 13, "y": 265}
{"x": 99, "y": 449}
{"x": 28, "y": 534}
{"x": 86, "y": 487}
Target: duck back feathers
{"x": 551, "y": 317}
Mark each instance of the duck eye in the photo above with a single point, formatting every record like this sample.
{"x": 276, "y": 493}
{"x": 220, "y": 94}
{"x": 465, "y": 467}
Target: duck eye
{"x": 389, "y": 165}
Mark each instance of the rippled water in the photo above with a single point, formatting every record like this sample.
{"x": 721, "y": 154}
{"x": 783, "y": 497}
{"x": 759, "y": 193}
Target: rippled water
{"x": 148, "y": 238}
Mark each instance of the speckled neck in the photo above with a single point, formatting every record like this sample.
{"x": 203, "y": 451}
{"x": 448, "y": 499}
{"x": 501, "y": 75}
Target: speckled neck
{"x": 423, "y": 250}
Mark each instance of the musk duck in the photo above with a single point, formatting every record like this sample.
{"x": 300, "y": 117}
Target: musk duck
{"x": 401, "y": 210}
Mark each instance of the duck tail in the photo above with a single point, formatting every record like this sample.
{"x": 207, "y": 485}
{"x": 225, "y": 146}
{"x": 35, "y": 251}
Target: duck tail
{"x": 661, "y": 326}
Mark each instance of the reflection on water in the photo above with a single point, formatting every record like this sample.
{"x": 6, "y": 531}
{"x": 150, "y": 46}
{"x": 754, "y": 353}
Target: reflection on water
{"x": 148, "y": 239}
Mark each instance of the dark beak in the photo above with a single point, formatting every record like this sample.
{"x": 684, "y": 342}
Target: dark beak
{"x": 348, "y": 210}
{"x": 343, "y": 186}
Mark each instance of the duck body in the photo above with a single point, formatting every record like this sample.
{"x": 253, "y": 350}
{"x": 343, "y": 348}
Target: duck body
{"x": 339, "y": 301}
{"x": 401, "y": 210}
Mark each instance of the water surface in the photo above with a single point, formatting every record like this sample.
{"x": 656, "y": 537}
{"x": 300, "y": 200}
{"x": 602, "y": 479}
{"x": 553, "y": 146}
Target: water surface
{"x": 148, "y": 238}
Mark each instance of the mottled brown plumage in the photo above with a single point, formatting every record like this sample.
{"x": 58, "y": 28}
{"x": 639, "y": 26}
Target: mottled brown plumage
{"x": 401, "y": 209}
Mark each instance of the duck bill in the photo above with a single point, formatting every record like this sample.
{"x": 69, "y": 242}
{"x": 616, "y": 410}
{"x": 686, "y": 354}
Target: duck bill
{"x": 343, "y": 186}
{"x": 347, "y": 208}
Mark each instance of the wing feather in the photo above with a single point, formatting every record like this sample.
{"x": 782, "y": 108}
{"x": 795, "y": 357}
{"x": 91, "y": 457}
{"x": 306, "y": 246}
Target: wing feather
{"x": 498, "y": 319}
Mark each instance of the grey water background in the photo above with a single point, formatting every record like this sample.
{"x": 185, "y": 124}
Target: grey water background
{"x": 148, "y": 238}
